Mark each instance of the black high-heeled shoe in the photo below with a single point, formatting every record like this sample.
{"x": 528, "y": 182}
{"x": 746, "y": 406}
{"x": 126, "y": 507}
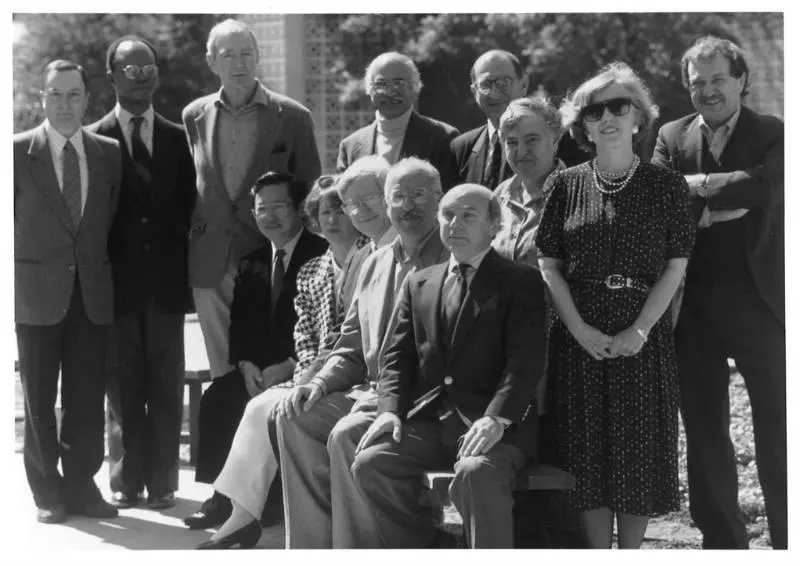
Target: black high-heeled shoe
{"x": 246, "y": 537}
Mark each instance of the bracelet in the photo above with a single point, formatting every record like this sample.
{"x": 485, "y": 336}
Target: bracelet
{"x": 641, "y": 333}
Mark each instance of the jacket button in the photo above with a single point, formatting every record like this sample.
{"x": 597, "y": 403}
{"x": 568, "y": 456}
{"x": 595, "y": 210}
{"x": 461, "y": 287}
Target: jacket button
{"x": 448, "y": 380}
{"x": 71, "y": 269}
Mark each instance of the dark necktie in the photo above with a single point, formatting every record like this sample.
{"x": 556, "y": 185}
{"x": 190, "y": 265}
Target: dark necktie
{"x": 455, "y": 300}
{"x": 71, "y": 182}
{"x": 278, "y": 273}
{"x": 494, "y": 162}
{"x": 141, "y": 157}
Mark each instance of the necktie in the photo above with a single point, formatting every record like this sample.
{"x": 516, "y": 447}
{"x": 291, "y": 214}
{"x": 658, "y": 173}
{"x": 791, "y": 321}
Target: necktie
{"x": 278, "y": 273}
{"x": 455, "y": 299}
{"x": 717, "y": 140}
{"x": 71, "y": 182}
{"x": 141, "y": 157}
{"x": 491, "y": 174}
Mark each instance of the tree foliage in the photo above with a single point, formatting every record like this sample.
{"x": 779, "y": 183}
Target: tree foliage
{"x": 84, "y": 38}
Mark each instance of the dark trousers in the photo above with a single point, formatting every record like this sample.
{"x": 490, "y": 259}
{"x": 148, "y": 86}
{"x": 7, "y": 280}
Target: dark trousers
{"x": 145, "y": 401}
{"x": 76, "y": 347}
{"x": 715, "y": 323}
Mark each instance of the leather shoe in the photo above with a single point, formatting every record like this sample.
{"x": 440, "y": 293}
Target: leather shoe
{"x": 122, "y": 500}
{"x": 51, "y": 515}
{"x": 246, "y": 537}
{"x": 213, "y": 512}
{"x": 161, "y": 501}
{"x": 95, "y": 508}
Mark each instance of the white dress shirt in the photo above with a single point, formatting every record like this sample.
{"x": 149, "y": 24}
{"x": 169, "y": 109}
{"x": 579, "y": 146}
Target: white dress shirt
{"x": 57, "y": 142}
{"x": 288, "y": 249}
{"x": 124, "y": 119}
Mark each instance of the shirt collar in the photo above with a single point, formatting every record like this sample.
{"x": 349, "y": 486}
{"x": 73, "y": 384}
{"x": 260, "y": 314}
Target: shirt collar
{"x": 386, "y": 239}
{"x": 393, "y": 124}
{"x": 58, "y": 141}
{"x": 124, "y": 117}
{"x": 402, "y": 255}
{"x": 730, "y": 124}
{"x": 474, "y": 263}
{"x": 259, "y": 97}
{"x": 512, "y": 194}
{"x": 490, "y": 129}
{"x": 289, "y": 247}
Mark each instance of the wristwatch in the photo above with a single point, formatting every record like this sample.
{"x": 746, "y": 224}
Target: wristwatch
{"x": 702, "y": 190}
{"x": 502, "y": 423}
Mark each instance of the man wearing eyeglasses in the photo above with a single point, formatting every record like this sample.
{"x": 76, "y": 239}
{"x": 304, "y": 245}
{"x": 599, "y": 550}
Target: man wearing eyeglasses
{"x": 734, "y": 300}
{"x": 497, "y": 78}
{"x": 235, "y": 135}
{"x": 66, "y": 187}
{"x": 321, "y": 423}
{"x": 393, "y": 84}
{"x": 148, "y": 248}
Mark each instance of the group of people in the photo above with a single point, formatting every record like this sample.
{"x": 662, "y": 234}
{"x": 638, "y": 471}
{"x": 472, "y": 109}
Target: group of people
{"x": 417, "y": 309}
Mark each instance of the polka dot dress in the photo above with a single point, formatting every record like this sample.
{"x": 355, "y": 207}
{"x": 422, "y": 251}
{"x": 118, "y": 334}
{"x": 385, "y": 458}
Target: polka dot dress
{"x": 618, "y": 418}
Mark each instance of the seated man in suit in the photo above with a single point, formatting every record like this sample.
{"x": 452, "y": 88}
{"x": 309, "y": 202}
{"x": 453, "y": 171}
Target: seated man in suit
{"x": 393, "y": 84}
{"x": 319, "y": 426}
{"x": 148, "y": 248}
{"x": 262, "y": 322}
{"x": 469, "y": 345}
{"x": 496, "y": 78}
{"x": 66, "y": 188}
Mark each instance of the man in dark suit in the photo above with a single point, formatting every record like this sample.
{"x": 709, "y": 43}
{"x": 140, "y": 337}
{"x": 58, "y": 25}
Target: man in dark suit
{"x": 393, "y": 84}
{"x": 497, "y": 78}
{"x": 262, "y": 327}
{"x": 148, "y": 248}
{"x": 733, "y": 305}
{"x": 469, "y": 345}
{"x": 236, "y": 135}
{"x": 66, "y": 186}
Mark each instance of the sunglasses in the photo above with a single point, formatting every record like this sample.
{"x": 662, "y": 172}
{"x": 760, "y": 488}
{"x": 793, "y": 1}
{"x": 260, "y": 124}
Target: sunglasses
{"x": 617, "y": 106}
{"x": 134, "y": 72}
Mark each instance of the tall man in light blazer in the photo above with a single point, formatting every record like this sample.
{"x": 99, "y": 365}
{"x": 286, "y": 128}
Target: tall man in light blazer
{"x": 66, "y": 186}
{"x": 393, "y": 83}
{"x": 235, "y": 135}
{"x": 733, "y": 305}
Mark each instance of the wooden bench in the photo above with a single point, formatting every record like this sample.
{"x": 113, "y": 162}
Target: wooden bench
{"x": 536, "y": 477}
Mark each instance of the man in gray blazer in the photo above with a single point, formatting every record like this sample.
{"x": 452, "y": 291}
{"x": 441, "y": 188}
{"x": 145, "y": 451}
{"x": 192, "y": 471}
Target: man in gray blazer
{"x": 235, "y": 135}
{"x": 66, "y": 186}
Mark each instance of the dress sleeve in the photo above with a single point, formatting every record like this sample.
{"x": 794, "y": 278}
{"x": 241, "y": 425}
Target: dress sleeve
{"x": 681, "y": 226}
{"x": 306, "y": 333}
{"x": 550, "y": 235}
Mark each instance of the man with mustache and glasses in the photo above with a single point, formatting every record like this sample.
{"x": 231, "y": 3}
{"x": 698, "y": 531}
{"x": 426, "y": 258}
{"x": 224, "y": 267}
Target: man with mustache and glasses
{"x": 733, "y": 304}
{"x": 320, "y": 425}
{"x": 393, "y": 84}
{"x": 235, "y": 135}
{"x": 148, "y": 248}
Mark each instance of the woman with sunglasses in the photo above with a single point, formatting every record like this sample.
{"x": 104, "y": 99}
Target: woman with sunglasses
{"x": 614, "y": 241}
{"x": 245, "y": 479}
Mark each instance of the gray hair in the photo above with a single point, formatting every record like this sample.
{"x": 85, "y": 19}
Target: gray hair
{"x": 372, "y": 166}
{"x": 228, "y": 27}
{"x": 409, "y": 165}
{"x": 536, "y": 106}
{"x": 614, "y": 73}
{"x": 391, "y": 57}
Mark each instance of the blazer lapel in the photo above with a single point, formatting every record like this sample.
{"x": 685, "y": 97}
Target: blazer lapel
{"x": 413, "y": 139}
{"x": 370, "y": 137}
{"x": 738, "y": 146}
{"x": 95, "y": 163}
{"x": 269, "y": 126}
{"x": 692, "y": 145}
{"x": 207, "y": 123}
{"x": 477, "y": 159}
{"x": 44, "y": 174}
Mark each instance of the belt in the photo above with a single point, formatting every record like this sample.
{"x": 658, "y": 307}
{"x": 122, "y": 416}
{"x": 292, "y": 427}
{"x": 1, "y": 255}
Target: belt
{"x": 616, "y": 282}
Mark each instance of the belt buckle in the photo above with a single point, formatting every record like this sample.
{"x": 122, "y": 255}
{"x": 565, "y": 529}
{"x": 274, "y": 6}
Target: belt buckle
{"x": 615, "y": 281}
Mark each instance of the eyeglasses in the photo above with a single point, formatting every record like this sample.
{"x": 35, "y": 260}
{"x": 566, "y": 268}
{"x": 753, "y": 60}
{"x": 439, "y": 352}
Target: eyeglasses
{"x": 134, "y": 72}
{"x": 274, "y": 208}
{"x": 417, "y": 196}
{"x": 617, "y": 106}
{"x": 56, "y": 96}
{"x": 382, "y": 85}
{"x": 502, "y": 83}
{"x": 370, "y": 201}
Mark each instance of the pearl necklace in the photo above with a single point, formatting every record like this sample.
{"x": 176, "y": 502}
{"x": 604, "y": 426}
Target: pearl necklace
{"x": 616, "y": 184}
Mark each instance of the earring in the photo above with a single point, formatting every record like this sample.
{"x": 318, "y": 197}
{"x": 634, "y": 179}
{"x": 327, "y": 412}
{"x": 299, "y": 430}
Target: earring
{"x": 636, "y": 129}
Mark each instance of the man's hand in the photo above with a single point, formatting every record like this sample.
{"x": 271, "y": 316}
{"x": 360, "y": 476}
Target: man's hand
{"x": 277, "y": 373}
{"x": 593, "y": 341}
{"x": 386, "y": 422}
{"x": 252, "y": 377}
{"x": 627, "y": 343}
{"x": 694, "y": 181}
{"x": 302, "y": 398}
{"x": 481, "y": 437}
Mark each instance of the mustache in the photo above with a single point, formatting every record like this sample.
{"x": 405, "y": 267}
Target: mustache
{"x": 407, "y": 215}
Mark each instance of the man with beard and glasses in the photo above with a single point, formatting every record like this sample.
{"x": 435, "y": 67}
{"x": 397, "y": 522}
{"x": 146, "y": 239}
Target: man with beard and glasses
{"x": 393, "y": 84}
{"x": 320, "y": 425}
{"x": 733, "y": 304}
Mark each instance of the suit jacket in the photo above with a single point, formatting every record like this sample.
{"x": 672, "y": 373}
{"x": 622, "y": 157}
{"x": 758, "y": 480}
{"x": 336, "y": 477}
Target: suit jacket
{"x": 222, "y": 229}
{"x": 255, "y": 334}
{"x": 752, "y": 162}
{"x": 48, "y": 248}
{"x": 425, "y": 138}
{"x": 497, "y": 354}
{"x": 370, "y": 319}
{"x": 149, "y": 240}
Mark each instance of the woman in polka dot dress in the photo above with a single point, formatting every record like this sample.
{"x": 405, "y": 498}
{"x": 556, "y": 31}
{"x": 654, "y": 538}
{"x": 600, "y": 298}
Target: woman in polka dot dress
{"x": 614, "y": 240}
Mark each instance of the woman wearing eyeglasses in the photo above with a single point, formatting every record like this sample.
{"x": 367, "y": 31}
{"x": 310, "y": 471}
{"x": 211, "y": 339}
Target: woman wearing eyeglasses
{"x": 614, "y": 241}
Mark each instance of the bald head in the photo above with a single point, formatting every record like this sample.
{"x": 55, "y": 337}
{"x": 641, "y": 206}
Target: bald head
{"x": 469, "y": 218}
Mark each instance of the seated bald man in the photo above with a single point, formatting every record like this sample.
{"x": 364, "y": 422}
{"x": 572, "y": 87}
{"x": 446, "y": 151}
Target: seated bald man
{"x": 469, "y": 348}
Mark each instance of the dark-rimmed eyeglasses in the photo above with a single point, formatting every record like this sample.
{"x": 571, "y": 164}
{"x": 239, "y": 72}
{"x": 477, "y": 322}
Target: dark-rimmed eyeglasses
{"x": 134, "y": 72}
{"x": 502, "y": 83}
{"x": 417, "y": 196}
{"x": 617, "y": 106}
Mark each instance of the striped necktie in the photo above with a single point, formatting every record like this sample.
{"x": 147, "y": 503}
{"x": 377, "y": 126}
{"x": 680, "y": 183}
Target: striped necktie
{"x": 71, "y": 182}
{"x": 494, "y": 163}
{"x": 141, "y": 157}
